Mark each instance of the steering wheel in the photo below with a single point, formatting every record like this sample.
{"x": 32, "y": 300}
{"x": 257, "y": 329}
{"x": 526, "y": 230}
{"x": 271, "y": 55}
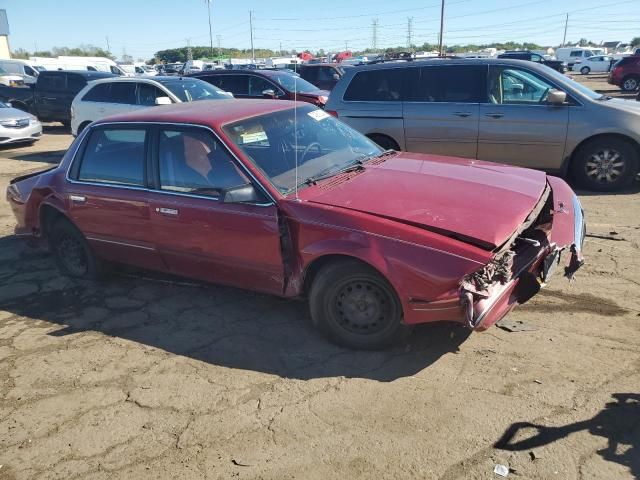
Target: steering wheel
{"x": 543, "y": 98}
{"x": 309, "y": 147}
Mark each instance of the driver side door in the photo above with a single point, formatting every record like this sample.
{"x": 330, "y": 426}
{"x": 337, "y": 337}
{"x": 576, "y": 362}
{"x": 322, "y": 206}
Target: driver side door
{"x": 517, "y": 126}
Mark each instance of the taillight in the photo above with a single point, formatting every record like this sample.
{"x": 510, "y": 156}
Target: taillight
{"x": 332, "y": 113}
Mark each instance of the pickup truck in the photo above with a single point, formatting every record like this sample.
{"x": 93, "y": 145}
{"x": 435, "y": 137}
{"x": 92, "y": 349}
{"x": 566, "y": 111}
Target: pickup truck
{"x": 534, "y": 57}
{"x": 50, "y": 97}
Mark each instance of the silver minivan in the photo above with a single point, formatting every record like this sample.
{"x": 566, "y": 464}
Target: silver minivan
{"x": 506, "y": 111}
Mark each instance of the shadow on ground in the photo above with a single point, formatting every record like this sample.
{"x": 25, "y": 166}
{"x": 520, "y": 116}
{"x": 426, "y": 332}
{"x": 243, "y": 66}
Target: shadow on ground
{"x": 222, "y": 326}
{"x": 618, "y": 422}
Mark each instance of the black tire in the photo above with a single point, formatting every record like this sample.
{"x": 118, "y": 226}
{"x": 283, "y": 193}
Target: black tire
{"x": 630, "y": 83}
{"x": 385, "y": 142}
{"x": 356, "y": 307}
{"x": 585, "y": 70}
{"x": 73, "y": 254}
{"x": 605, "y": 164}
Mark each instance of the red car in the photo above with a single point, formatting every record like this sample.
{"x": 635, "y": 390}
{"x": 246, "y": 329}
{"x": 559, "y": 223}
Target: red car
{"x": 626, "y": 74}
{"x": 273, "y": 84}
{"x": 377, "y": 240}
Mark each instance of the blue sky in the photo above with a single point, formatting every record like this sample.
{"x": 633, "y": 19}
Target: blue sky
{"x": 142, "y": 27}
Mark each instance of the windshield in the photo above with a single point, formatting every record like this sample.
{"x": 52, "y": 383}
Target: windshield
{"x": 293, "y": 83}
{"x": 191, "y": 90}
{"x": 586, "y": 91}
{"x": 320, "y": 145}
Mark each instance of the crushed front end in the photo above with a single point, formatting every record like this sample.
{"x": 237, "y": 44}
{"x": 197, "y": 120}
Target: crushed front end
{"x": 552, "y": 235}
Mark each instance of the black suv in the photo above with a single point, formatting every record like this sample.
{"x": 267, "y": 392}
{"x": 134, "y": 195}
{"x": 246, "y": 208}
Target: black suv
{"x": 534, "y": 57}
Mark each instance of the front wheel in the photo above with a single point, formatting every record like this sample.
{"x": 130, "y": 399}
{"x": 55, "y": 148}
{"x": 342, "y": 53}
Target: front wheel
{"x": 585, "y": 70}
{"x": 72, "y": 252}
{"x": 355, "y": 306}
{"x": 606, "y": 165}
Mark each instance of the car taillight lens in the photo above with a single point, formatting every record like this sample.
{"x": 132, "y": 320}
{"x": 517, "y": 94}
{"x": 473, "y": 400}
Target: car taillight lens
{"x": 332, "y": 113}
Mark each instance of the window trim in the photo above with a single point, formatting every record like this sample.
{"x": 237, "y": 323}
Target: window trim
{"x": 76, "y": 165}
{"x": 152, "y": 130}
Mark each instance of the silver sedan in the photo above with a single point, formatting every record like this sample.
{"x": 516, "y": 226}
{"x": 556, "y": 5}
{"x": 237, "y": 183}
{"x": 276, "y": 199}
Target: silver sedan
{"x": 17, "y": 126}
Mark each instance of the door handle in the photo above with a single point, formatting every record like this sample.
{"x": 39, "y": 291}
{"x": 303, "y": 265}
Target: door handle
{"x": 462, "y": 114}
{"x": 167, "y": 211}
{"x": 78, "y": 198}
{"x": 494, "y": 115}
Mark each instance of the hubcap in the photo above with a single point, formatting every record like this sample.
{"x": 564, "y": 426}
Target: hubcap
{"x": 72, "y": 254}
{"x": 363, "y": 307}
{"x": 605, "y": 166}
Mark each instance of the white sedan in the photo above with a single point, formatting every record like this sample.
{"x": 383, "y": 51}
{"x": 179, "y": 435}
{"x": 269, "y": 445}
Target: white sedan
{"x": 597, "y": 63}
{"x": 17, "y": 126}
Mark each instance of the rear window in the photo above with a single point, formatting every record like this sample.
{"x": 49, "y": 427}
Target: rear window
{"x": 114, "y": 156}
{"x": 377, "y": 86}
{"x": 99, "y": 93}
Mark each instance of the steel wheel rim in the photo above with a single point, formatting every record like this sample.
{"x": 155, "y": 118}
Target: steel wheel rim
{"x": 605, "y": 166}
{"x": 363, "y": 307}
{"x": 73, "y": 255}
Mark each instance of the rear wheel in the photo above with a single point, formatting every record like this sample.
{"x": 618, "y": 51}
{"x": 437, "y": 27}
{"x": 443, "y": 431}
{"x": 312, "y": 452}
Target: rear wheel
{"x": 585, "y": 70}
{"x": 384, "y": 141}
{"x": 72, "y": 252}
{"x": 355, "y": 306}
{"x": 606, "y": 164}
{"x": 630, "y": 83}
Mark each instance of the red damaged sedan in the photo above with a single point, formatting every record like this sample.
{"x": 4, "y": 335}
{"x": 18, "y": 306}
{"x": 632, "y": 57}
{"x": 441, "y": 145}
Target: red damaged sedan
{"x": 287, "y": 200}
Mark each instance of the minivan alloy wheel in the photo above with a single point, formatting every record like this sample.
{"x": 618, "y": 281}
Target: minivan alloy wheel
{"x": 606, "y": 165}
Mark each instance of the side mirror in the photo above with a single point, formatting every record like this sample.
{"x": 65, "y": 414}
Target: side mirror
{"x": 556, "y": 97}
{"x": 240, "y": 194}
{"x": 336, "y": 77}
{"x": 269, "y": 93}
{"x": 163, "y": 101}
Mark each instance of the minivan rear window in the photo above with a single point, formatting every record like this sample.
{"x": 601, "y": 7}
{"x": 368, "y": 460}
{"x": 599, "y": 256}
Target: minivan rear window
{"x": 386, "y": 85}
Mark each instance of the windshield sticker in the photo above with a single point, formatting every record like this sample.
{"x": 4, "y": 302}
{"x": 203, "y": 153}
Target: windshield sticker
{"x": 253, "y": 137}
{"x": 318, "y": 115}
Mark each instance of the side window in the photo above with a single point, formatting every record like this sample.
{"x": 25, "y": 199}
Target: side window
{"x": 99, "y": 93}
{"x": 536, "y": 58}
{"x": 52, "y": 83}
{"x": 575, "y": 53}
{"x": 257, "y": 85}
{"x": 92, "y": 69}
{"x": 325, "y": 74}
{"x": 309, "y": 74}
{"x": 510, "y": 86}
{"x": 114, "y": 156}
{"x": 30, "y": 71}
{"x": 148, "y": 93}
{"x": 236, "y": 84}
{"x": 123, "y": 92}
{"x": 114, "y": 70}
{"x": 192, "y": 161}
{"x": 75, "y": 83}
{"x": 451, "y": 84}
{"x": 385, "y": 85}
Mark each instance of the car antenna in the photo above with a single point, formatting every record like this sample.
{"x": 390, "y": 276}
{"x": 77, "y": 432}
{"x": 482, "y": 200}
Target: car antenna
{"x": 295, "y": 129}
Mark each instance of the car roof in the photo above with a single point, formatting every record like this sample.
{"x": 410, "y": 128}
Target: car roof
{"x": 242, "y": 71}
{"x": 85, "y": 73}
{"x": 445, "y": 61}
{"x": 210, "y": 113}
{"x": 155, "y": 78}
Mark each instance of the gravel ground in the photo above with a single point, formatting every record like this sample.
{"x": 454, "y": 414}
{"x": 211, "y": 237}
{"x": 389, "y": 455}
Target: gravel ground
{"x": 143, "y": 376}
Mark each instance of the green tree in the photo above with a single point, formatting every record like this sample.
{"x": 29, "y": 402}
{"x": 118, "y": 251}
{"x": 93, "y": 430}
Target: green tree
{"x": 635, "y": 41}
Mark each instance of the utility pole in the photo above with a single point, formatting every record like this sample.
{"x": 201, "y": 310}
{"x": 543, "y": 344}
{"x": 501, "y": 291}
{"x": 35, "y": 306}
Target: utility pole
{"x": 440, "y": 40}
{"x": 409, "y": 32}
{"x": 374, "y": 35}
{"x": 210, "y": 31}
{"x": 218, "y": 37}
{"x": 566, "y": 24}
{"x": 253, "y": 53}
{"x": 346, "y": 46}
{"x": 108, "y": 48}
{"x": 280, "y": 48}
{"x": 189, "y": 52}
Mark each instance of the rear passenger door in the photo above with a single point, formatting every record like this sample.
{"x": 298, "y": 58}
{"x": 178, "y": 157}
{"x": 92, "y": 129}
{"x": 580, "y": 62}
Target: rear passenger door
{"x": 121, "y": 99}
{"x": 442, "y": 111}
{"x": 107, "y": 195}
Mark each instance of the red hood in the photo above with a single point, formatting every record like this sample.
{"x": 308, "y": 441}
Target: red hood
{"x": 478, "y": 200}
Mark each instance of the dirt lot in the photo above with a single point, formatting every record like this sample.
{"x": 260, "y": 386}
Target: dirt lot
{"x": 142, "y": 376}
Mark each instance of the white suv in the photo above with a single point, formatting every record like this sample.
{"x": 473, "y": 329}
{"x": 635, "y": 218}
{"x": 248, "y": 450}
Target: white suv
{"x": 110, "y": 96}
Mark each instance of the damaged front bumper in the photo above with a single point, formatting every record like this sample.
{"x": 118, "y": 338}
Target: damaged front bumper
{"x": 518, "y": 273}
